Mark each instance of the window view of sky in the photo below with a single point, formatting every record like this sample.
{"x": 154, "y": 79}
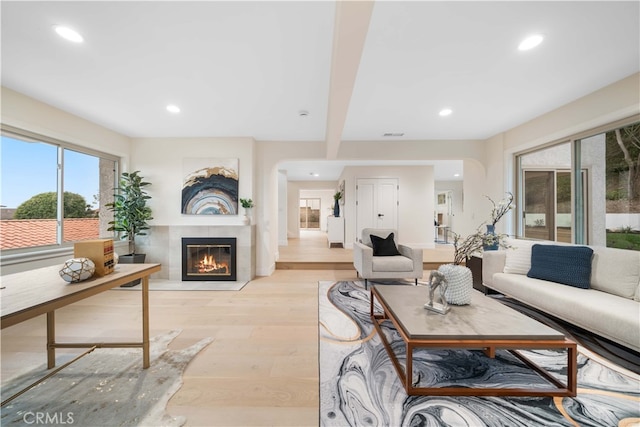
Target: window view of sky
{"x": 31, "y": 168}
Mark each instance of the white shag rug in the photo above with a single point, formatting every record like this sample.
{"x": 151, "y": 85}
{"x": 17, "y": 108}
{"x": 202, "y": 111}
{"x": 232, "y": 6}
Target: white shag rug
{"x": 107, "y": 387}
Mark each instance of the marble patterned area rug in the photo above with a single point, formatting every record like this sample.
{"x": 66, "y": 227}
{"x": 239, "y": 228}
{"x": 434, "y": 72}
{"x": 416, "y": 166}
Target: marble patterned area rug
{"x": 360, "y": 387}
{"x": 107, "y": 387}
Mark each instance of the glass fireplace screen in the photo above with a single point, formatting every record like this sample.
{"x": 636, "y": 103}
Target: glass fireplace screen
{"x": 208, "y": 259}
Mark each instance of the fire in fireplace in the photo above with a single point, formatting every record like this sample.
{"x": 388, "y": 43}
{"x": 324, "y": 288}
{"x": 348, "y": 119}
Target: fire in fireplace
{"x": 208, "y": 258}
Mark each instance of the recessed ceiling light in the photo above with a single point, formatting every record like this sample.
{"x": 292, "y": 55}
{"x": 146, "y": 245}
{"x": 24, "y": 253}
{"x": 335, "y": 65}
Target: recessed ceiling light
{"x": 173, "y": 109}
{"x": 68, "y": 34}
{"x": 303, "y": 113}
{"x": 388, "y": 134}
{"x": 445, "y": 112}
{"x": 314, "y": 174}
{"x": 456, "y": 175}
{"x": 530, "y": 42}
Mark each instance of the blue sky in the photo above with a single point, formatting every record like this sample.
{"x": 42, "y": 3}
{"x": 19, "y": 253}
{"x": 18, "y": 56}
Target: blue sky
{"x": 30, "y": 168}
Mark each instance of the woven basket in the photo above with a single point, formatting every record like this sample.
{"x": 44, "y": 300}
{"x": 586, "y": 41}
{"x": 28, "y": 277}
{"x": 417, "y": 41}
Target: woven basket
{"x": 459, "y": 284}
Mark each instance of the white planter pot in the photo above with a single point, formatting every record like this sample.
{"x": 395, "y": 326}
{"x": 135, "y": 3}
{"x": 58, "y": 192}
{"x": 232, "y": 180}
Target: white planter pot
{"x": 247, "y": 215}
{"x": 459, "y": 284}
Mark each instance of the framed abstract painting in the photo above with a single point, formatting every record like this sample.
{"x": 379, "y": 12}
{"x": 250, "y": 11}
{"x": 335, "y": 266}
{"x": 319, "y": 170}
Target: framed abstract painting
{"x": 210, "y": 186}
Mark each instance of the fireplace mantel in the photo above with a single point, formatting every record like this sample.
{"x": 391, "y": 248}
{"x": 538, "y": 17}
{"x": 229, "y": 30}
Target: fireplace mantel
{"x": 164, "y": 245}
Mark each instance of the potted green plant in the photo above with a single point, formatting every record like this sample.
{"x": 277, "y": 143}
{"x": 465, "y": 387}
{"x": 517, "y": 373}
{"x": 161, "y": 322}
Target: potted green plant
{"x": 247, "y": 204}
{"x": 459, "y": 277}
{"x": 336, "y": 206}
{"x": 130, "y": 215}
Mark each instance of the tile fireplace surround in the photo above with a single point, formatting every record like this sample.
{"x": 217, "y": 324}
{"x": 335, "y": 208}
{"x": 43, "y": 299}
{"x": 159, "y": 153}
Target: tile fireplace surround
{"x": 164, "y": 245}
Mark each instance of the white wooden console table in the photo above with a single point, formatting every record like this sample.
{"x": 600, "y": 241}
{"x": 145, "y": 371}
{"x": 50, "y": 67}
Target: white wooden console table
{"x": 42, "y": 291}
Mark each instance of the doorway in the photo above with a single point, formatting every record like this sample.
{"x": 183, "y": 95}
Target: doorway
{"x": 548, "y": 209}
{"x": 309, "y": 214}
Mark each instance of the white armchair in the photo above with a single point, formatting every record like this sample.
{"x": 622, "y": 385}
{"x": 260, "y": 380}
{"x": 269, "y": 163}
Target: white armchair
{"x": 406, "y": 264}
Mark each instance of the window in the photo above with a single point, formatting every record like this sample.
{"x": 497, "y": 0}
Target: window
{"x": 614, "y": 157}
{"x": 585, "y": 191}
{"x": 52, "y": 192}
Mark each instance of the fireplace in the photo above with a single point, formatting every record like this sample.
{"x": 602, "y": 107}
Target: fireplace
{"x": 209, "y": 258}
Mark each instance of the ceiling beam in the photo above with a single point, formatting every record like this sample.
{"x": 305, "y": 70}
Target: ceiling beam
{"x": 349, "y": 35}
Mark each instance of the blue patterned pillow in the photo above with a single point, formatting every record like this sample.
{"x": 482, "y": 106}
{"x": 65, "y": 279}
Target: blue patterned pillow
{"x": 569, "y": 265}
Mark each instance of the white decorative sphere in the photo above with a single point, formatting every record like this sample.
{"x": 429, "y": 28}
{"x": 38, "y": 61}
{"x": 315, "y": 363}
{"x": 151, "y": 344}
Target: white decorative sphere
{"x": 459, "y": 284}
{"x": 77, "y": 269}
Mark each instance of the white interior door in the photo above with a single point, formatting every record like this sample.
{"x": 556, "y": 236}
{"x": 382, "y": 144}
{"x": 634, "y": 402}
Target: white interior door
{"x": 376, "y": 204}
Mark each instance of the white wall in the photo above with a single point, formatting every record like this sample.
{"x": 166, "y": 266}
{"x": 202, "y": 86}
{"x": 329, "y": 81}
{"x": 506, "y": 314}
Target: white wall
{"x": 283, "y": 215}
{"x": 593, "y": 156}
{"x": 614, "y": 102}
{"x": 293, "y": 195}
{"x": 268, "y": 155}
{"x": 476, "y": 209}
{"x": 160, "y": 161}
{"x": 415, "y": 197}
{"x": 499, "y": 180}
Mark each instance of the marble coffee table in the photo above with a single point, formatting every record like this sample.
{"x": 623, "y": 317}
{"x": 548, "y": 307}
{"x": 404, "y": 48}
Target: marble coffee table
{"x": 485, "y": 324}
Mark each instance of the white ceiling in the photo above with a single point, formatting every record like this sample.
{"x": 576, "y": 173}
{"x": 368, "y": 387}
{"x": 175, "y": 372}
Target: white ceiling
{"x": 247, "y": 68}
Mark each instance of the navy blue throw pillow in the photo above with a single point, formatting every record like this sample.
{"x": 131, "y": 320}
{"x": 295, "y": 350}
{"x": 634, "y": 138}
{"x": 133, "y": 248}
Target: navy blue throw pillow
{"x": 384, "y": 247}
{"x": 569, "y": 265}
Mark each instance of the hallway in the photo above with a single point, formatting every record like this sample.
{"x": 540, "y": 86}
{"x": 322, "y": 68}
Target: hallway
{"x": 311, "y": 250}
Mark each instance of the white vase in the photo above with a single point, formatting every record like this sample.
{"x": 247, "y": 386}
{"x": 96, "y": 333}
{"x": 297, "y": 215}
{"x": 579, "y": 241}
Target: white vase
{"x": 459, "y": 284}
{"x": 247, "y": 216}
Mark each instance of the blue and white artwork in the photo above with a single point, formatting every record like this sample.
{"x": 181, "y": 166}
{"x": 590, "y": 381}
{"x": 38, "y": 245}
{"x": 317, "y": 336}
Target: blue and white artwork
{"x": 210, "y": 186}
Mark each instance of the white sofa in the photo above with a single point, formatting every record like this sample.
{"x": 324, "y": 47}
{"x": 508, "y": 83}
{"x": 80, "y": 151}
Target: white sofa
{"x": 609, "y": 308}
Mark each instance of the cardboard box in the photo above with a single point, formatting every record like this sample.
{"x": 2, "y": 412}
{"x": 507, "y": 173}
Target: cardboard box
{"x": 100, "y": 251}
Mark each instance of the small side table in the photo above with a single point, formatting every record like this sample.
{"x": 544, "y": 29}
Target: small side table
{"x": 475, "y": 265}
{"x": 335, "y": 230}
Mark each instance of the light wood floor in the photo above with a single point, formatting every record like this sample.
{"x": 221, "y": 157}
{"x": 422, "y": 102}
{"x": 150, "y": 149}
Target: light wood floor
{"x": 260, "y": 370}
{"x": 311, "y": 251}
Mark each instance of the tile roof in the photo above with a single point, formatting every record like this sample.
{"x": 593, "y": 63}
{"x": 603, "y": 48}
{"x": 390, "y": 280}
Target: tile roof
{"x": 22, "y": 233}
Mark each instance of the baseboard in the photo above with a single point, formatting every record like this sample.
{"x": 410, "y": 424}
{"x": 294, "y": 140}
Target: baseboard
{"x": 310, "y": 265}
